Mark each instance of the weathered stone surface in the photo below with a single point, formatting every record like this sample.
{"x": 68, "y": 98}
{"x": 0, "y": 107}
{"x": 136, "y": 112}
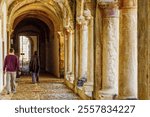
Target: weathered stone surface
{"x": 48, "y": 89}
{"x": 110, "y": 51}
{"x": 143, "y": 49}
{"x": 88, "y": 50}
{"x": 128, "y": 54}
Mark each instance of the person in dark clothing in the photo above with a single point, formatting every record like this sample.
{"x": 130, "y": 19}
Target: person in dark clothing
{"x": 11, "y": 65}
{"x": 34, "y": 67}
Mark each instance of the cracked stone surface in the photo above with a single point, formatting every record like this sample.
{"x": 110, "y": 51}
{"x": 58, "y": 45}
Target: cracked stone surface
{"x": 49, "y": 88}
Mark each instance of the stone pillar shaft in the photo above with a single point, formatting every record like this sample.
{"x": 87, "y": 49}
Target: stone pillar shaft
{"x": 143, "y": 50}
{"x": 66, "y": 54}
{"x": 77, "y": 52}
{"x": 88, "y": 86}
{"x": 84, "y": 49}
{"x": 70, "y": 51}
{"x": 110, "y": 51}
{"x": 90, "y": 52}
{"x": 110, "y": 57}
{"x": 80, "y": 6}
{"x": 128, "y": 50}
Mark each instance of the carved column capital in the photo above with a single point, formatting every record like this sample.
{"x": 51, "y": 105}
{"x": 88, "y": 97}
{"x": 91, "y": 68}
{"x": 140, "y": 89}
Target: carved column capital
{"x": 60, "y": 33}
{"x": 67, "y": 29}
{"x": 87, "y": 14}
{"x": 128, "y": 4}
{"x": 108, "y": 4}
{"x": 109, "y": 9}
{"x": 80, "y": 19}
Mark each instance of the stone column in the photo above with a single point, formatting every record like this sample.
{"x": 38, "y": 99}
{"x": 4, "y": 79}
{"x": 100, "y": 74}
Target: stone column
{"x": 128, "y": 50}
{"x": 90, "y": 52}
{"x": 70, "y": 57}
{"x": 77, "y": 52}
{"x": 110, "y": 34}
{"x": 66, "y": 52}
{"x": 84, "y": 49}
{"x": 143, "y": 50}
{"x": 88, "y": 86}
{"x": 79, "y": 19}
{"x": 70, "y": 51}
{"x": 80, "y": 7}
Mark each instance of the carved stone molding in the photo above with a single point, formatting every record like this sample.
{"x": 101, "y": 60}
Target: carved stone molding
{"x": 68, "y": 29}
{"x": 110, "y": 4}
{"x": 80, "y": 19}
{"x": 87, "y": 14}
{"x": 109, "y": 9}
{"x": 111, "y": 12}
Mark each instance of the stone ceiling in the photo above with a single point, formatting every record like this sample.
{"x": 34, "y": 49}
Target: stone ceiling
{"x": 44, "y": 10}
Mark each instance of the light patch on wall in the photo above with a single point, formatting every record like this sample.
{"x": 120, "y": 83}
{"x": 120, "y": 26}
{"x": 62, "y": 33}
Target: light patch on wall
{"x": 1, "y": 59}
{"x": 25, "y": 52}
{"x": 4, "y": 11}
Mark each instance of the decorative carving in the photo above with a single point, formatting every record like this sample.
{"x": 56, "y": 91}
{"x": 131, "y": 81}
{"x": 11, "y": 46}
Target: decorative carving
{"x": 87, "y": 14}
{"x": 111, "y": 12}
{"x": 110, "y": 9}
{"x": 108, "y": 4}
{"x": 68, "y": 28}
{"x": 80, "y": 19}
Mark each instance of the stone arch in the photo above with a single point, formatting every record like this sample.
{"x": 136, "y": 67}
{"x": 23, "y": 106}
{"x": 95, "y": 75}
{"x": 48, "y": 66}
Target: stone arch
{"x": 43, "y": 11}
{"x": 43, "y": 14}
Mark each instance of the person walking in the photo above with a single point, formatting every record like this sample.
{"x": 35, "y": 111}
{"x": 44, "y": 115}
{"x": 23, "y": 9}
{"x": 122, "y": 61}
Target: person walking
{"x": 11, "y": 66}
{"x": 34, "y": 67}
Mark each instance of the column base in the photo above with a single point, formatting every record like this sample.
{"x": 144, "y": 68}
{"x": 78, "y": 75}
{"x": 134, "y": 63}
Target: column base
{"x": 70, "y": 77}
{"x": 96, "y": 95}
{"x": 66, "y": 76}
{"x": 88, "y": 88}
{"x": 107, "y": 94}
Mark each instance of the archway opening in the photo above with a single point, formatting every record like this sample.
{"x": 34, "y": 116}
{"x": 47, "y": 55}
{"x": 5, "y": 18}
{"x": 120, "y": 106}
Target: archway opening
{"x": 24, "y": 53}
{"x": 32, "y": 34}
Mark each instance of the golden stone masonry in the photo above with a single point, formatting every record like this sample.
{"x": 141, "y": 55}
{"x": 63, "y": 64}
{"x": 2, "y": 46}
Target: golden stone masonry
{"x": 90, "y": 49}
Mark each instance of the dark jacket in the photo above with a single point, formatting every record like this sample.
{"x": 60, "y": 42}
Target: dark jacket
{"x": 34, "y": 65}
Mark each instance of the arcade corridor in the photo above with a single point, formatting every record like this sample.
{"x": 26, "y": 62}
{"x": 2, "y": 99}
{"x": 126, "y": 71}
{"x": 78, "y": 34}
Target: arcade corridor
{"x": 99, "y": 49}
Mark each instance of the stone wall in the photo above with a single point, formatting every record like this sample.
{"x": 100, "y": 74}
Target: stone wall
{"x": 143, "y": 49}
{"x": 1, "y": 59}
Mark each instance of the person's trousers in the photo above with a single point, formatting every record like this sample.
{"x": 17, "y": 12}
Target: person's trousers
{"x": 10, "y": 81}
{"x": 35, "y": 77}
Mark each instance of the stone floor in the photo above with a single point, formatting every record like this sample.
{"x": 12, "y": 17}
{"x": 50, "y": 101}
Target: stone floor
{"x": 49, "y": 88}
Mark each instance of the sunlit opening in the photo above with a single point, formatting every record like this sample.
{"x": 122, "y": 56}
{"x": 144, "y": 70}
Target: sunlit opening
{"x": 25, "y": 52}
